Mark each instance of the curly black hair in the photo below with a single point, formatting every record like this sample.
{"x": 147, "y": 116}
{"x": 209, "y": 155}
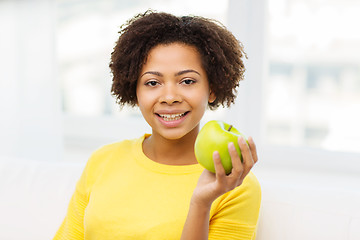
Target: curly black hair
{"x": 220, "y": 51}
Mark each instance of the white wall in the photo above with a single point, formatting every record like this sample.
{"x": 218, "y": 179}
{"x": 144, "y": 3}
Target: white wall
{"x": 30, "y": 123}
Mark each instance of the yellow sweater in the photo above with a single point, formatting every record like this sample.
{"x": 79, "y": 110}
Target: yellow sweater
{"x": 122, "y": 194}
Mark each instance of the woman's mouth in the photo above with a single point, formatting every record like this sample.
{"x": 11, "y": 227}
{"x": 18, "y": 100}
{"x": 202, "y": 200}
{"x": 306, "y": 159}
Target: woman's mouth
{"x": 172, "y": 120}
{"x": 172, "y": 117}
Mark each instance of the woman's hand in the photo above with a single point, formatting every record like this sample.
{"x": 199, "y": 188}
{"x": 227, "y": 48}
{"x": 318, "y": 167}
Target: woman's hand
{"x": 210, "y": 185}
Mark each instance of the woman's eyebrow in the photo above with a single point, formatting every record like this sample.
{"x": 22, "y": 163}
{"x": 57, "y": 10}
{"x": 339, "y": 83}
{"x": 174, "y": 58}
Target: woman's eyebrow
{"x": 176, "y": 74}
{"x": 153, "y": 73}
{"x": 187, "y": 71}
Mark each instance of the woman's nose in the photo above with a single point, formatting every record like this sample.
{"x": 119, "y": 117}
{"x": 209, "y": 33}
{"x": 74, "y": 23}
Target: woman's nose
{"x": 170, "y": 95}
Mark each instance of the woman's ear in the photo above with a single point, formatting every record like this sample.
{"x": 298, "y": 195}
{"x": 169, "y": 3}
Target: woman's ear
{"x": 212, "y": 97}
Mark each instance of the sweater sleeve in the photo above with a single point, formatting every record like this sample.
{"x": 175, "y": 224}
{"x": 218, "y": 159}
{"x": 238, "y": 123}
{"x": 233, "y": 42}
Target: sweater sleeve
{"x": 72, "y": 226}
{"x": 235, "y": 214}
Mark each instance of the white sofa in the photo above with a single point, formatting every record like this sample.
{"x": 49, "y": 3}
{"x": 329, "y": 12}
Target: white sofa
{"x": 295, "y": 205}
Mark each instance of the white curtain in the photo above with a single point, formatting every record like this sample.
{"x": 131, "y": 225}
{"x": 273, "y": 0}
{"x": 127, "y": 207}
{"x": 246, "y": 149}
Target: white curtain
{"x": 30, "y": 107}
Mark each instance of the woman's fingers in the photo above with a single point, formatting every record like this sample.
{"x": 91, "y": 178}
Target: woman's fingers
{"x": 212, "y": 185}
{"x": 219, "y": 169}
{"x": 253, "y": 149}
{"x": 235, "y": 160}
{"x": 239, "y": 169}
{"x": 248, "y": 161}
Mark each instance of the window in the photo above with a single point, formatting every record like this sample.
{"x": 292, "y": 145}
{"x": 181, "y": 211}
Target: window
{"x": 300, "y": 98}
{"x": 313, "y": 84}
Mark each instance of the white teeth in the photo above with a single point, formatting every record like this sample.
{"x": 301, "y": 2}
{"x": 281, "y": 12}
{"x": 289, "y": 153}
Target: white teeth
{"x": 171, "y": 117}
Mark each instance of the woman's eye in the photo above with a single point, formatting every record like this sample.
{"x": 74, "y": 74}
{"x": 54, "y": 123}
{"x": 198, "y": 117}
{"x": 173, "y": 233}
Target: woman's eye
{"x": 188, "y": 81}
{"x": 151, "y": 83}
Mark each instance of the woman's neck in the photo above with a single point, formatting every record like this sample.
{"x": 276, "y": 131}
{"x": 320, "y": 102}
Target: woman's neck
{"x": 169, "y": 151}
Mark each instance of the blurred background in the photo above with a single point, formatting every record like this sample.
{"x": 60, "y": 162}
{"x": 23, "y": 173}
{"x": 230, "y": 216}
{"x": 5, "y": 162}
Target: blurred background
{"x": 300, "y": 99}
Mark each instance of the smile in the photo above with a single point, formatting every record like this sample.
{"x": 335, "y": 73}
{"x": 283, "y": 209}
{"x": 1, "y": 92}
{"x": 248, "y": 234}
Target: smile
{"x": 172, "y": 117}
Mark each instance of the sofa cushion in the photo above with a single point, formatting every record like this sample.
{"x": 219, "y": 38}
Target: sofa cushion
{"x": 34, "y": 197}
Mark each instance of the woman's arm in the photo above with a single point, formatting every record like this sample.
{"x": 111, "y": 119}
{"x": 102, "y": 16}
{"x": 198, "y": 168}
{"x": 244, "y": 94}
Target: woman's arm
{"x": 72, "y": 226}
{"x": 210, "y": 186}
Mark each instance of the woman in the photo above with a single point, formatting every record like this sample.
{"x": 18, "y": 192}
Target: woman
{"x": 173, "y": 69}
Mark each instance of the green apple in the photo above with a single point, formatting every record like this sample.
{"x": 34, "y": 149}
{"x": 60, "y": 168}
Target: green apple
{"x": 215, "y": 136}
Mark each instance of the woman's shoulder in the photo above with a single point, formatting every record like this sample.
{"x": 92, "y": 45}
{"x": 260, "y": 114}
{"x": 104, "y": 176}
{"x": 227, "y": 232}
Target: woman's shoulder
{"x": 108, "y": 151}
{"x": 252, "y": 182}
{"x": 111, "y": 148}
{"x": 240, "y": 205}
{"x": 250, "y": 186}
{"x": 249, "y": 190}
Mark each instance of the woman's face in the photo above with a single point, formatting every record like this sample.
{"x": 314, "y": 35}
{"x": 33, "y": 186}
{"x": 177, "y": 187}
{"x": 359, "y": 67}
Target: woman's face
{"x": 173, "y": 90}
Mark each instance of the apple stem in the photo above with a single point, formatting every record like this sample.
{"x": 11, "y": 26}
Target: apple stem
{"x": 230, "y": 127}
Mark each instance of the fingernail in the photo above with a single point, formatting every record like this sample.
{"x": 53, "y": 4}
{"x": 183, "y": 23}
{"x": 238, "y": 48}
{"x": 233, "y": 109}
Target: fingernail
{"x": 231, "y": 145}
{"x": 216, "y": 154}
